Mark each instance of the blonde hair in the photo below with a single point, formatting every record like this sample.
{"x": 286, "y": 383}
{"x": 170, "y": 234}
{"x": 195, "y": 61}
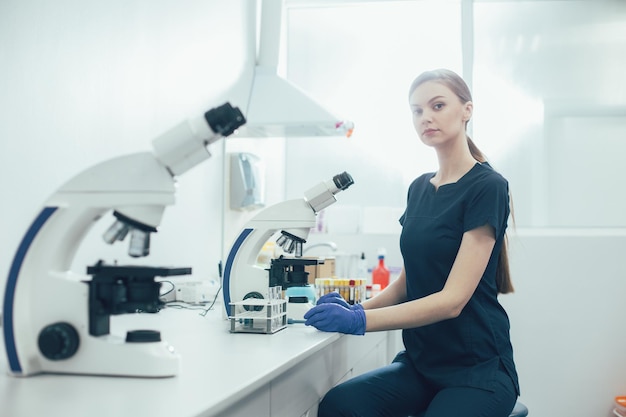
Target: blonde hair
{"x": 458, "y": 86}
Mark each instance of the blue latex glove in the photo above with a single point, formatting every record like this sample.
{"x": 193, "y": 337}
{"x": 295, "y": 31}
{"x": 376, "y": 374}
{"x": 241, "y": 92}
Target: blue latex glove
{"x": 335, "y": 297}
{"x": 333, "y": 317}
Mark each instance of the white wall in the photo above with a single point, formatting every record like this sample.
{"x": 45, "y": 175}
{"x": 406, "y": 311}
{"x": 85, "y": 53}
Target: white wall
{"x": 567, "y": 319}
{"x": 83, "y": 82}
{"x": 550, "y": 106}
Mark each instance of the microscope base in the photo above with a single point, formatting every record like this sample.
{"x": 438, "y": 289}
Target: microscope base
{"x": 110, "y": 356}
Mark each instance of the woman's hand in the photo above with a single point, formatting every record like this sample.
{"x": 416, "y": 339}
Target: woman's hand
{"x": 333, "y": 297}
{"x": 334, "y": 317}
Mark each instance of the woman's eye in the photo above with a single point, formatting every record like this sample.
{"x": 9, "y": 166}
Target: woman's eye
{"x": 438, "y": 106}
{"x": 417, "y": 112}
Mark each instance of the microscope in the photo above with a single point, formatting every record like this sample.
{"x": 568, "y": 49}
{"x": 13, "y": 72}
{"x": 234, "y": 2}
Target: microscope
{"x": 57, "y": 320}
{"x": 245, "y": 279}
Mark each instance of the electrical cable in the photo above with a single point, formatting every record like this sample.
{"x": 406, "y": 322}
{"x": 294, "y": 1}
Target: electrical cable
{"x": 219, "y": 274}
{"x": 168, "y": 291}
{"x": 194, "y": 306}
{"x": 204, "y": 313}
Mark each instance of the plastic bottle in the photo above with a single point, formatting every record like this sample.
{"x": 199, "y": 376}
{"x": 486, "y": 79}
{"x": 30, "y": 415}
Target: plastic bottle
{"x": 380, "y": 274}
{"x": 361, "y": 272}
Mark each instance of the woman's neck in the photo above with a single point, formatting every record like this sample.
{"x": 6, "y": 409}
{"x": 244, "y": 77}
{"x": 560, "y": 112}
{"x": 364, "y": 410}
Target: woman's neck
{"x": 454, "y": 162}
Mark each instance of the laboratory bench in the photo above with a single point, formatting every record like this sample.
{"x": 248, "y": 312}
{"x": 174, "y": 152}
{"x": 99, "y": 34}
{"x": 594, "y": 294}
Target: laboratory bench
{"x": 284, "y": 374}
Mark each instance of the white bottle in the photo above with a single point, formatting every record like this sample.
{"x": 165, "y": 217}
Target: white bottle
{"x": 361, "y": 272}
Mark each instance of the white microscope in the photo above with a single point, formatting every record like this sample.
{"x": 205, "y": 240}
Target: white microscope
{"x": 244, "y": 278}
{"x": 56, "y": 320}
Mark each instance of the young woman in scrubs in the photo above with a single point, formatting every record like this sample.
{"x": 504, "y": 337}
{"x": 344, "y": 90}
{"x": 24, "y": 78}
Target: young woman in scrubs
{"x": 458, "y": 358}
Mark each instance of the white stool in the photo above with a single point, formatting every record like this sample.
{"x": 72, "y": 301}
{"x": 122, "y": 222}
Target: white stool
{"x": 519, "y": 410}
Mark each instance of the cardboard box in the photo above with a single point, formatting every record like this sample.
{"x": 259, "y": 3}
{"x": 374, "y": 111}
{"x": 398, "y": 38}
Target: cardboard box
{"x": 321, "y": 270}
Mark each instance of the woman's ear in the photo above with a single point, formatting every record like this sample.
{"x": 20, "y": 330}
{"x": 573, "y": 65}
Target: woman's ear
{"x": 467, "y": 111}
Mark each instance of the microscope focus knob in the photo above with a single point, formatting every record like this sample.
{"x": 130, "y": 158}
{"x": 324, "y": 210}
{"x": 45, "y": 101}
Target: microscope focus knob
{"x": 58, "y": 341}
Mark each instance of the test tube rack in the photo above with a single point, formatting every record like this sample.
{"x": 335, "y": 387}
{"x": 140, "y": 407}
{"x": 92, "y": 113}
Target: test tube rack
{"x": 258, "y": 315}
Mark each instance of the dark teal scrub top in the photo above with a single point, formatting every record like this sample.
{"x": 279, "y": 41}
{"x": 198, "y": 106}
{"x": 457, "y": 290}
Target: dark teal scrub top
{"x": 473, "y": 349}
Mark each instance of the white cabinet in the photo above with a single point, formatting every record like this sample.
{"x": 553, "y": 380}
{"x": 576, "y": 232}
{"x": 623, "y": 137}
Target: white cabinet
{"x": 298, "y": 390}
{"x": 256, "y": 404}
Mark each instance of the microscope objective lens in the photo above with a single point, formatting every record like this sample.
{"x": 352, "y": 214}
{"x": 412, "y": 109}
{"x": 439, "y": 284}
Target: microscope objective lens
{"x": 117, "y": 231}
{"x": 298, "y": 253}
{"x": 282, "y": 239}
{"x": 139, "y": 243}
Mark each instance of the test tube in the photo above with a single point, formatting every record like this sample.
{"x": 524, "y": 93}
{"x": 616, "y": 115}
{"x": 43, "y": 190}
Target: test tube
{"x": 352, "y": 294}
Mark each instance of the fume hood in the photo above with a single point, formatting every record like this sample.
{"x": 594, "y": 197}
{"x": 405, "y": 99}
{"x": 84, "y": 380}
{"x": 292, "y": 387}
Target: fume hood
{"x": 276, "y": 106}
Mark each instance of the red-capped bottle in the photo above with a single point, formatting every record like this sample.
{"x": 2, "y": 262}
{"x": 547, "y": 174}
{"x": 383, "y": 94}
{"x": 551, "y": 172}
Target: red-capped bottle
{"x": 380, "y": 274}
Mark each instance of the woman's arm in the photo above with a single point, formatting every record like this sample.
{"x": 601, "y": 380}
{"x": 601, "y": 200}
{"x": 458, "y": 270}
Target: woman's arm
{"x": 467, "y": 270}
{"x": 394, "y": 293}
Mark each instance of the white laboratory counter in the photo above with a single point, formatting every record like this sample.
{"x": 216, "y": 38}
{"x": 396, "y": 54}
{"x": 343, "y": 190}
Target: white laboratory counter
{"x": 223, "y": 374}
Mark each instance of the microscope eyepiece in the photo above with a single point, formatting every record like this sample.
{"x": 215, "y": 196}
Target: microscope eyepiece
{"x": 343, "y": 180}
{"x": 225, "y": 119}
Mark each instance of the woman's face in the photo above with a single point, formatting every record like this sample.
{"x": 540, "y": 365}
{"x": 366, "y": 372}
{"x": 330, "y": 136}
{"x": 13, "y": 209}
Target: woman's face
{"x": 438, "y": 115}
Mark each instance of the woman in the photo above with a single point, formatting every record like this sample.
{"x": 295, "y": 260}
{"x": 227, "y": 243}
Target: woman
{"x": 458, "y": 358}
